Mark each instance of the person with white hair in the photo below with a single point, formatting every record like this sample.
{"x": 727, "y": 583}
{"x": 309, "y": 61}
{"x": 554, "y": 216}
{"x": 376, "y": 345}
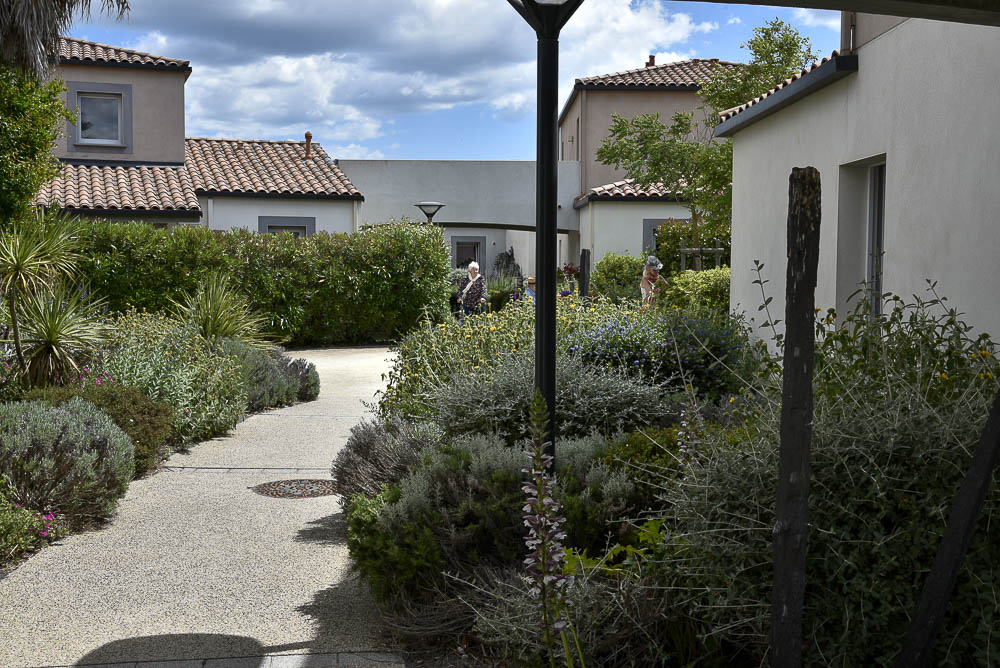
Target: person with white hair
{"x": 472, "y": 291}
{"x": 651, "y": 282}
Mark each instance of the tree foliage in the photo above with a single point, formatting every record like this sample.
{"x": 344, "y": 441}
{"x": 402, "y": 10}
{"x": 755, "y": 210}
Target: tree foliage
{"x": 684, "y": 158}
{"x": 30, "y": 122}
{"x": 30, "y": 29}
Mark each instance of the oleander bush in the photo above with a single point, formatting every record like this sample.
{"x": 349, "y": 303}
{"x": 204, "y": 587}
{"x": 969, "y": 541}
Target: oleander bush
{"x": 23, "y": 530}
{"x": 900, "y": 401}
{"x": 71, "y": 459}
{"x": 616, "y": 277}
{"x": 697, "y": 290}
{"x": 170, "y": 361}
{"x": 371, "y": 286}
{"x": 265, "y": 379}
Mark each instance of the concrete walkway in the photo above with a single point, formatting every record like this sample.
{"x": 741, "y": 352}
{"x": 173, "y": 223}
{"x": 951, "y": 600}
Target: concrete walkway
{"x": 196, "y": 570}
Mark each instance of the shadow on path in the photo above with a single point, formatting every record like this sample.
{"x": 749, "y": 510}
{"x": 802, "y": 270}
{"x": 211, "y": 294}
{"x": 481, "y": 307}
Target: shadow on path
{"x": 184, "y": 646}
{"x": 329, "y": 530}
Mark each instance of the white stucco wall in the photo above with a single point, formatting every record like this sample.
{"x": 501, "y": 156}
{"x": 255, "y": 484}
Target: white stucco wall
{"x": 223, "y": 213}
{"x": 616, "y": 227}
{"x": 925, "y": 96}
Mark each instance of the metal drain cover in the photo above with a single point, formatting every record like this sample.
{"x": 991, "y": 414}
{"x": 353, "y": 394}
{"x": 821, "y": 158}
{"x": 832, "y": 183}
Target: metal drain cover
{"x": 296, "y": 489}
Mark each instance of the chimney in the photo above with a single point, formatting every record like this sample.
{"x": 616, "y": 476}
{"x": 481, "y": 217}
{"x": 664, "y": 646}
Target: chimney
{"x": 652, "y": 61}
{"x": 309, "y": 139}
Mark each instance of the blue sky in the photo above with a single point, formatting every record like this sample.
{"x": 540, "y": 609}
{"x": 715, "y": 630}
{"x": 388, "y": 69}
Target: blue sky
{"x": 413, "y": 79}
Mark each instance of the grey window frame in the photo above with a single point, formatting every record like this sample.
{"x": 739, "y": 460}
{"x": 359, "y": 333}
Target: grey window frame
{"x": 264, "y": 223}
{"x": 876, "y": 236}
{"x": 455, "y": 240}
{"x": 75, "y": 143}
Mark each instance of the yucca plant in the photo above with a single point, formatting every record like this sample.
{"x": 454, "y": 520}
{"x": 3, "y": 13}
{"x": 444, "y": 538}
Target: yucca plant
{"x": 219, "y": 311}
{"x": 33, "y": 256}
{"x": 60, "y": 330}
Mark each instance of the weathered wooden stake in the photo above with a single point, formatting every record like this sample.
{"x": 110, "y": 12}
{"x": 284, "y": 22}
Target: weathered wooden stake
{"x": 954, "y": 544}
{"x": 791, "y": 528}
{"x": 585, "y": 272}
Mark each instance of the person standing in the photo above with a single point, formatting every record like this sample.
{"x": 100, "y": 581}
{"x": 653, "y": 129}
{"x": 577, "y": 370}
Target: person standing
{"x": 472, "y": 291}
{"x": 651, "y": 282}
{"x": 529, "y": 287}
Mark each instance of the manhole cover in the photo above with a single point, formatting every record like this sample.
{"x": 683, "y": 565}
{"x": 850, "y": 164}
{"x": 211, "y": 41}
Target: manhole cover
{"x": 295, "y": 489}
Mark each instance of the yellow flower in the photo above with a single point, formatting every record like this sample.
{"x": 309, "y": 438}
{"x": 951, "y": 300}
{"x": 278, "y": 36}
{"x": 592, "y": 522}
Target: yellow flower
{"x": 732, "y": 400}
{"x": 989, "y": 374}
{"x": 943, "y": 376}
{"x": 476, "y": 367}
{"x": 493, "y": 329}
{"x": 591, "y": 309}
{"x": 468, "y": 336}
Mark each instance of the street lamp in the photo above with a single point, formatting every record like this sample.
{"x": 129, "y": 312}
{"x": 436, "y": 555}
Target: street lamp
{"x": 429, "y": 209}
{"x": 546, "y": 17}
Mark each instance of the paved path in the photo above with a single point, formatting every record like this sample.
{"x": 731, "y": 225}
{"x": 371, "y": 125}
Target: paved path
{"x": 198, "y": 571}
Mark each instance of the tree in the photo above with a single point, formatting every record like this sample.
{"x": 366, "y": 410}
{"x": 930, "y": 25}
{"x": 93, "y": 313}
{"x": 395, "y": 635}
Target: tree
{"x": 30, "y": 29}
{"x": 684, "y": 158}
{"x": 31, "y": 116}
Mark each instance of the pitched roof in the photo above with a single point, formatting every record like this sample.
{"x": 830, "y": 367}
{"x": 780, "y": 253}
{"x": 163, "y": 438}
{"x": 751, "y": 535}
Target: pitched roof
{"x": 729, "y": 113}
{"x": 686, "y": 74}
{"x": 623, "y": 191}
{"x": 254, "y": 167}
{"x": 74, "y": 51}
{"x": 110, "y": 188}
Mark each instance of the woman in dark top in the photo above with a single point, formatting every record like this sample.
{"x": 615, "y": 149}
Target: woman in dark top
{"x": 472, "y": 291}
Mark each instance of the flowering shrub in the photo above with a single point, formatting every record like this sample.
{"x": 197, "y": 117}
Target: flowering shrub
{"x": 171, "y": 362}
{"x": 23, "y": 530}
{"x": 11, "y": 380}
{"x": 900, "y": 402}
{"x": 71, "y": 459}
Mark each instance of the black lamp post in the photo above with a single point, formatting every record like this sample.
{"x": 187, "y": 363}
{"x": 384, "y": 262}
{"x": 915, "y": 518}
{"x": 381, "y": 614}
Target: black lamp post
{"x": 546, "y": 17}
{"x": 429, "y": 209}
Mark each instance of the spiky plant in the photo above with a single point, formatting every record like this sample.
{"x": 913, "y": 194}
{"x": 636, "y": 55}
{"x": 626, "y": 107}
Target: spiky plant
{"x": 219, "y": 311}
{"x": 61, "y": 329}
{"x": 34, "y": 256}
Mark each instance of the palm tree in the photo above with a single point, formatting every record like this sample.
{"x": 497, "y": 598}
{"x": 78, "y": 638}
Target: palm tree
{"x": 33, "y": 257}
{"x": 218, "y": 311}
{"x": 30, "y": 29}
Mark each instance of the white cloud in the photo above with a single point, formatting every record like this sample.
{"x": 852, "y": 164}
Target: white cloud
{"x": 354, "y": 152}
{"x": 734, "y": 20}
{"x": 818, "y": 17}
{"x": 275, "y": 68}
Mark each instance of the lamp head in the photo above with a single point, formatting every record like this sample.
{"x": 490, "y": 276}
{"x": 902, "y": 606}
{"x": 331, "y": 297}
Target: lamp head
{"x": 429, "y": 208}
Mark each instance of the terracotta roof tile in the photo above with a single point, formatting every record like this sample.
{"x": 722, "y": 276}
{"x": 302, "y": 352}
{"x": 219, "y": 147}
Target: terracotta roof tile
{"x": 117, "y": 187}
{"x": 729, "y": 113}
{"x": 265, "y": 167}
{"x": 82, "y": 52}
{"x": 684, "y": 73}
{"x": 628, "y": 190}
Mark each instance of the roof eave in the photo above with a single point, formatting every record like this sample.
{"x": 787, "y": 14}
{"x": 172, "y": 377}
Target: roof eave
{"x": 583, "y": 201}
{"x": 186, "y": 69}
{"x": 278, "y": 195}
{"x": 828, "y": 73}
{"x": 145, "y": 213}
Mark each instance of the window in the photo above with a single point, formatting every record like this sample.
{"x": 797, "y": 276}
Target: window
{"x": 298, "y": 226}
{"x": 466, "y": 249}
{"x": 876, "y": 229}
{"x": 104, "y": 117}
{"x": 99, "y": 120}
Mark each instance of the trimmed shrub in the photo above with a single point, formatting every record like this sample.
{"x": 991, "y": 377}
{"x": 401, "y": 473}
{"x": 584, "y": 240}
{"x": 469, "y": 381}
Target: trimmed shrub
{"x": 616, "y": 277}
{"x": 71, "y": 459}
{"x": 900, "y": 401}
{"x": 171, "y": 362}
{"x": 698, "y": 290}
{"x": 266, "y": 382}
{"x": 369, "y": 286}
{"x": 147, "y": 422}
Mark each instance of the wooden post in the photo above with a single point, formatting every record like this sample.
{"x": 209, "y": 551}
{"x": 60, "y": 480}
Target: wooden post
{"x": 718, "y": 254}
{"x": 684, "y": 258}
{"x": 585, "y": 273}
{"x": 954, "y": 544}
{"x": 791, "y": 527}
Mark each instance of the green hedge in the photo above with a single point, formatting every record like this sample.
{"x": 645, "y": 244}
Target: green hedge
{"x": 342, "y": 288}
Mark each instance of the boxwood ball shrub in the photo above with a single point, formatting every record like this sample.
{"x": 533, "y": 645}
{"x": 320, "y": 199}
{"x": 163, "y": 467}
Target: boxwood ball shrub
{"x": 146, "y": 421}
{"x": 169, "y": 361}
{"x": 900, "y": 402}
{"x": 71, "y": 458}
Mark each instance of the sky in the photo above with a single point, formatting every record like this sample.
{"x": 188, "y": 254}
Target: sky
{"x": 413, "y": 79}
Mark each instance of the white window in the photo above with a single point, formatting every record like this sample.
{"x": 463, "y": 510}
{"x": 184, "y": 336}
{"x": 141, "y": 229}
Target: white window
{"x": 100, "y": 118}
